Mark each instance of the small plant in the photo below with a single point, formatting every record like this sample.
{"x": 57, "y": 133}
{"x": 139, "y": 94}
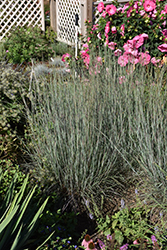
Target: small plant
{"x": 17, "y": 218}
{"x": 26, "y": 43}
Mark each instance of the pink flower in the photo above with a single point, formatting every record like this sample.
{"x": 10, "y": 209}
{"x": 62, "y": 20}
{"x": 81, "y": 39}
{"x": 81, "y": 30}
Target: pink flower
{"x": 7, "y": 51}
{"x": 104, "y": 14}
{"x": 85, "y": 45}
{"x": 165, "y": 8}
{"x": 91, "y": 246}
{"x": 86, "y": 241}
{"x": 111, "y": 45}
{"x": 145, "y": 36}
{"x": 111, "y": 9}
{"x": 164, "y": 32}
{"x": 95, "y": 26}
{"x": 65, "y": 56}
{"x": 123, "y": 60}
{"x": 135, "y": 242}
{"x": 144, "y": 58}
{"x": 142, "y": 12}
{"x": 163, "y": 47}
{"x": 99, "y": 59}
{"x": 124, "y": 247}
{"x": 138, "y": 41}
{"x": 117, "y": 52}
{"x": 149, "y": 5}
{"x": 154, "y": 61}
{"x": 100, "y": 7}
{"x": 88, "y": 39}
{"x": 113, "y": 30}
{"x": 133, "y": 59}
{"x": 101, "y": 244}
{"x": 109, "y": 237}
{"x": 107, "y": 27}
{"x": 153, "y": 238}
{"x": 125, "y": 7}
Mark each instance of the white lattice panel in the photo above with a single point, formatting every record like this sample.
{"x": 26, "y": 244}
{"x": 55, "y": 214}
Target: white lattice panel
{"x": 14, "y": 13}
{"x": 66, "y": 10}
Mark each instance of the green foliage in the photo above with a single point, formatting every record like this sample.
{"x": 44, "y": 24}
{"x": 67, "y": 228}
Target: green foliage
{"x": 2, "y": 50}
{"x": 26, "y": 43}
{"x": 50, "y": 35}
{"x": 9, "y": 171}
{"x": 12, "y": 86}
{"x": 72, "y": 152}
{"x": 18, "y": 219}
{"x": 62, "y": 48}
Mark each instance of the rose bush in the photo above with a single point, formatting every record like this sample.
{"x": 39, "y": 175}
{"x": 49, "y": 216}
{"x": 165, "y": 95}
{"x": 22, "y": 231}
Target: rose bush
{"x": 135, "y": 32}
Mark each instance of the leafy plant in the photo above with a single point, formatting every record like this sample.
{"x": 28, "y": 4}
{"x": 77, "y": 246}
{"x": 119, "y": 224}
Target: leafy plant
{"x": 26, "y": 43}
{"x": 9, "y": 170}
{"x": 12, "y": 86}
{"x": 17, "y": 218}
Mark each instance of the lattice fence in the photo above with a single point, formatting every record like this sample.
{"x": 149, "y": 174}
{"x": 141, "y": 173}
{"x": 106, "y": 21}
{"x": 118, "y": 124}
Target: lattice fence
{"x": 14, "y": 13}
{"x": 66, "y": 11}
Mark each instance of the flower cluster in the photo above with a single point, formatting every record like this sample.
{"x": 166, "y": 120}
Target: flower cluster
{"x": 137, "y": 27}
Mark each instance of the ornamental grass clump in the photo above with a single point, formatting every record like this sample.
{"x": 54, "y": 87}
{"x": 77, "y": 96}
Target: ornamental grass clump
{"x": 91, "y": 134}
{"x": 69, "y": 124}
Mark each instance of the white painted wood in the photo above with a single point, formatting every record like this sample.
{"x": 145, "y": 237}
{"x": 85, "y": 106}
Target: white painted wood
{"x": 14, "y": 13}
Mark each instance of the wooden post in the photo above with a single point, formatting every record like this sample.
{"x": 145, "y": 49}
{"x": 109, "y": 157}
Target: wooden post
{"x": 43, "y": 15}
{"x": 53, "y": 17}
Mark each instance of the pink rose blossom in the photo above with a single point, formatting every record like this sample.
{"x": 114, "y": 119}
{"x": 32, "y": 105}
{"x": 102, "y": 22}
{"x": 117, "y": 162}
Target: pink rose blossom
{"x": 104, "y": 14}
{"x": 149, "y": 5}
{"x": 107, "y": 27}
{"x": 65, "y": 56}
{"x": 125, "y": 7}
{"x": 114, "y": 30}
{"x": 85, "y": 45}
{"x": 163, "y": 47}
{"x": 111, "y": 45}
{"x": 123, "y": 60}
{"x": 100, "y": 7}
{"x": 144, "y": 58}
{"x": 154, "y": 61}
{"x": 88, "y": 39}
{"x": 165, "y": 8}
{"x": 111, "y": 9}
{"x": 117, "y": 52}
{"x": 142, "y": 12}
{"x": 138, "y": 41}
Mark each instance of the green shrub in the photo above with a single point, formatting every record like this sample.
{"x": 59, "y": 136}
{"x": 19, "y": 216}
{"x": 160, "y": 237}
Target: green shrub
{"x": 12, "y": 86}
{"x": 25, "y": 43}
{"x": 9, "y": 171}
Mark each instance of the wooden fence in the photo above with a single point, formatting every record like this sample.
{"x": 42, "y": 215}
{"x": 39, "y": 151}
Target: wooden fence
{"x": 14, "y": 13}
{"x": 62, "y": 17}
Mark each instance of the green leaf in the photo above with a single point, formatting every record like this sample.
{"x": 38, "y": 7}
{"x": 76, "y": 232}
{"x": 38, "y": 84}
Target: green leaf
{"x": 114, "y": 223}
{"x": 119, "y": 237}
